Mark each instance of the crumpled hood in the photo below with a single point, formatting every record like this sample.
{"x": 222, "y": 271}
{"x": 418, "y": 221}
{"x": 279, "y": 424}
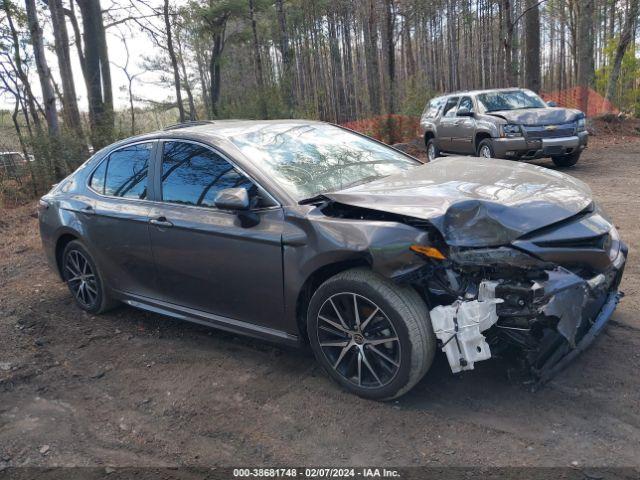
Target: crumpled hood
{"x": 475, "y": 202}
{"x": 539, "y": 116}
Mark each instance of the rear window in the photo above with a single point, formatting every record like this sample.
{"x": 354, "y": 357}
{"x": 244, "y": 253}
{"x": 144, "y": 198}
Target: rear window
{"x": 433, "y": 107}
{"x": 124, "y": 173}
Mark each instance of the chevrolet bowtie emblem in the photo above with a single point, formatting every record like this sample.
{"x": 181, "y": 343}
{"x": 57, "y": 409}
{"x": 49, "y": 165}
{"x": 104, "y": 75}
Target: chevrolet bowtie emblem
{"x": 550, "y": 127}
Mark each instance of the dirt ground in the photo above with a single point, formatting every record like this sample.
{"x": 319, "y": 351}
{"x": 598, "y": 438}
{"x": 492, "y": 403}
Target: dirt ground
{"x": 136, "y": 389}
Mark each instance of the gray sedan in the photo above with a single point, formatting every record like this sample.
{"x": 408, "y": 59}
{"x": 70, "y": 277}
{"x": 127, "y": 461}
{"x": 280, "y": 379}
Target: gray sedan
{"x": 303, "y": 232}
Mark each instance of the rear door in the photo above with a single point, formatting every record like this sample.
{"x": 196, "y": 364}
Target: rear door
{"x": 447, "y": 124}
{"x": 117, "y": 219}
{"x": 206, "y": 258}
{"x": 464, "y": 130}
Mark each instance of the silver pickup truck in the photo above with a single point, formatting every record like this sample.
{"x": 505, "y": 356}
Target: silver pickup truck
{"x": 510, "y": 123}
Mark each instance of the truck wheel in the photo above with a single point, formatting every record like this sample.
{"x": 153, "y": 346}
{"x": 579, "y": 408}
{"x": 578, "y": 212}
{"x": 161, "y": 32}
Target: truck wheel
{"x": 566, "y": 160}
{"x": 372, "y": 336}
{"x": 485, "y": 149}
{"x": 433, "y": 151}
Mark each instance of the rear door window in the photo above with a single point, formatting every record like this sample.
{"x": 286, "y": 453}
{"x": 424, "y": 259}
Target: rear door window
{"x": 433, "y": 107}
{"x": 450, "y": 107}
{"x": 124, "y": 173}
{"x": 467, "y": 103}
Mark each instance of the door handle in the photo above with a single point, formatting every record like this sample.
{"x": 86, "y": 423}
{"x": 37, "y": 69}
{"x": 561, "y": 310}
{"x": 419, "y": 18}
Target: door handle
{"x": 161, "y": 222}
{"x": 88, "y": 210}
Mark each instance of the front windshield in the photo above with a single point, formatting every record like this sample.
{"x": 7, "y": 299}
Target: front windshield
{"x": 510, "y": 100}
{"x": 311, "y": 159}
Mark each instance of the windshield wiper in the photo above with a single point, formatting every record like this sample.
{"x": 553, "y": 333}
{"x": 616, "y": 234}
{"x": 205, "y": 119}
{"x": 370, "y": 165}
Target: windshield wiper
{"x": 320, "y": 197}
{"x": 360, "y": 181}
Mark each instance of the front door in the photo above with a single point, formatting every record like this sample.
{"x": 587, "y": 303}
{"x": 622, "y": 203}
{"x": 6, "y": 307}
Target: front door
{"x": 447, "y": 124}
{"x": 464, "y": 131}
{"x": 208, "y": 259}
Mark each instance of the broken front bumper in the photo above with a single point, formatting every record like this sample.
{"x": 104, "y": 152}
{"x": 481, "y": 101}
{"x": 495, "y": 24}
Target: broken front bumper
{"x": 523, "y": 148}
{"x": 564, "y": 355}
{"x": 583, "y": 308}
{"x": 546, "y": 317}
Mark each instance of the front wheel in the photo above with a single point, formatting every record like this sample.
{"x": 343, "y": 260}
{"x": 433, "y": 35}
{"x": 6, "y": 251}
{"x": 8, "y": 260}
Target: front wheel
{"x": 485, "y": 149}
{"x": 373, "y": 337}
{"x": 566, "y": 160}
{"x": 433, "y": 151}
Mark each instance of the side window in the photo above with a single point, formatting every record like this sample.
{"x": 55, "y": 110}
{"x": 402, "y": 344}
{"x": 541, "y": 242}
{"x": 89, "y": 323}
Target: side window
{"x": 194, "y": 175}
{"x": 450, "y": 107}
{"x": 124, "y": 173}
{"x": 97, "y": 179}
{"x": 433, "y": 107}
{"x": 467, "y": 103}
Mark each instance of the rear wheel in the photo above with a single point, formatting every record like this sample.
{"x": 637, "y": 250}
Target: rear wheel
{"x": 372, "y": 336}
{"x": 433, "y": 151}
{"x": 485, "y": 149}
{"x": 566, "y": 160}
{"x": 84, "y": 280}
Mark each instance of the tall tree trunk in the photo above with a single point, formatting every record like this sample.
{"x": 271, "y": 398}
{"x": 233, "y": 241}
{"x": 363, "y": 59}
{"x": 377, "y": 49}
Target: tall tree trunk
{"x": 285, "y": 51}
{"x": 371, "y": 54}
{"x": 262, "y": 101}
{"x": 219, "y": 27}
{"x": 507, "y": 43}
{"x": 623, "y": 44}
{"x": 22, "y": 75}
{"x": 174, "y": 60}
{"x": 97, "y": 73}
{"x": 586, "y": 67}
{"x": 391, "y": 54}
{"x": 69, "y": 99}
{"x": 532, "y": 42}
{"x": 193, "y": 114}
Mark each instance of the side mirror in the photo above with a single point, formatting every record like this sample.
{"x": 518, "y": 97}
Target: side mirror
{"x": 552, "y": 104}
{"x": 232, "y": 199}
{"x": 464, "y": 112}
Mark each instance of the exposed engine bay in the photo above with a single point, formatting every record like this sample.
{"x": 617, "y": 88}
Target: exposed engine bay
{"x": 504, "y": 302}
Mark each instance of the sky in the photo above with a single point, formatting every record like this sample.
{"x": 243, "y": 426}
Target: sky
{"x": 139, "y": 44}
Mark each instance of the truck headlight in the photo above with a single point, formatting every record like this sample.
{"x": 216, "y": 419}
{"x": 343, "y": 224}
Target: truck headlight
{"x": 511, "y": 130}
{"x": 581, "y": 125}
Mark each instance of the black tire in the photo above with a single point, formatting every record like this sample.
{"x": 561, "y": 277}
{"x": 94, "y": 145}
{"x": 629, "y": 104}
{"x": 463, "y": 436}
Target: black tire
{"x": 433, "y": 151}
{"x": 93, "y": 297}
{"x": 486, "y": 145}
{"x": 564, "y": 161}
{"x": 387, "y": 311}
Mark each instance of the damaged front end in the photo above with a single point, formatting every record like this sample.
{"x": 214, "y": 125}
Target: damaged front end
{"x": 541, "y": 300}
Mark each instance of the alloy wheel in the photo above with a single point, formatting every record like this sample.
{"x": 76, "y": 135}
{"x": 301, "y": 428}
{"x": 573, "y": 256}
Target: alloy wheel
{"x": 81, "y": 278}
{"x": 485, "y": 151}
{"x": 431, "y": 153}
{"x": 358, "y": 340}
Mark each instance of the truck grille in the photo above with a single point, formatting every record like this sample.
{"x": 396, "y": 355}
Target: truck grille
{"x": 549, "y": 131}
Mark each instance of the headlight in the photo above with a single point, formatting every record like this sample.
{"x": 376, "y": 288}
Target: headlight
{"x": 612, "y": 244}
{"x": 581, "y": 125}
{"x": 511, "y": 130}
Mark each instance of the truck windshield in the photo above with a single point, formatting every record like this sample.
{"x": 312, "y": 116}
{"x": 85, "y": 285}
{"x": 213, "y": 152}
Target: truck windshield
{"x": 510, "y": 100}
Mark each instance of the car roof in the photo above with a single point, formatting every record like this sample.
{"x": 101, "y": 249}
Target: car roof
{"x": 218, "y": 128}
{"x": 487, "y": 90}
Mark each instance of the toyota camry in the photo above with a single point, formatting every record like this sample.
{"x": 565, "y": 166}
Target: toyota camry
{"x": 303, "y": 232}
